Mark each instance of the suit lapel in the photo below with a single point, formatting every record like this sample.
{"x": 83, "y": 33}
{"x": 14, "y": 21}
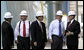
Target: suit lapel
{"x": 72, "y": 23}
{"x": 38, "y": 25}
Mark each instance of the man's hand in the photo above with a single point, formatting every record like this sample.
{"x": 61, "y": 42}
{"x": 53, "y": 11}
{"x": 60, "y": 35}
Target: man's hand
{"x": 45, "y": 43}
{"x": 69, "y": 33}
{"x": 35, "y": 43}
{"x": 51, "y": 41}
{"x": 12, "y": 46}
{"x": 64, "y": 32}
{"x": 16, "y": 41}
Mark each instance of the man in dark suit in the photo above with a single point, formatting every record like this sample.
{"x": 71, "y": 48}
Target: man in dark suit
{"x": 72, "y": 31}
{"x": 38, "y": 32}
{"x": 7, "y": 32}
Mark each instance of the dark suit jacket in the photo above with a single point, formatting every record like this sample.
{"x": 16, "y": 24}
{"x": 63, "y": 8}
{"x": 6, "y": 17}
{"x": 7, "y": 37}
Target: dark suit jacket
{"x": 75, "y": 28}
{"x": 36, "y": 33}
{"x": 7, "y": 34}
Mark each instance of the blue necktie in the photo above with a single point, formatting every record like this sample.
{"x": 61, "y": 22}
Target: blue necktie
{"x": 60, "y": 33}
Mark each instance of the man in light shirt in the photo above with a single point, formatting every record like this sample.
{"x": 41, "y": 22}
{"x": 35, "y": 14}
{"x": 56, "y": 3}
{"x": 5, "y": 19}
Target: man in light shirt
{"x": 56, "y": 30}
{"x": 22, "y": 34}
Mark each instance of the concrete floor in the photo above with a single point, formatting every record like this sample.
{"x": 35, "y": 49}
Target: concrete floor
{"x": 64, "y": 47}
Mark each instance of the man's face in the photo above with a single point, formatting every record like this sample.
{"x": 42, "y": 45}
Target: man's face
{"x": 71, "y": 17}
{"x": 23, "y": 18}
{"x": 59, "y": 17}
{"x": 40, "y": 18}
{"x": 9, "y": 19}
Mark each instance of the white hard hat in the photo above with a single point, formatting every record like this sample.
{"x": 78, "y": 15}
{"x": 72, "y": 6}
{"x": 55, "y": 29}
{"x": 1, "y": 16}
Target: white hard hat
{"x": 8, "y": 15}
{"x": 23, "y": 12}
{"x": 72, "y": 13}
{"x": 39, "y": 13}
{"x": 59, "y": 12}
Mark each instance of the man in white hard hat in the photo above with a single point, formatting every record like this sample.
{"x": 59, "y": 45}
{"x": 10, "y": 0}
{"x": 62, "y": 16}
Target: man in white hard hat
{"x": 7, "y": 32}
{"x": 72, "y": 31}
{"x": 56, "y": 30}
{"x": 38, "y": 32}
{"x": 22, "y": 32}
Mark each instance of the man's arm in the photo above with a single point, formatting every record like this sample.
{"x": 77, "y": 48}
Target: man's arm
{"x": 66, "y": 29}
{"x": 33, "y": 32}
{"x": 50, "y": 32}
{"x": 77, "y": 28}
{"x": 16, "y": 32}
{"x": 45, "y": 33}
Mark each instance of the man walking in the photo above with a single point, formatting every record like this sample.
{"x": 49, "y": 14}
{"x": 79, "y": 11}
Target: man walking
{"x": 38, "y": 32}
{"x": 7, "y": 32}
{"x": 22, "y": 34}
{"x": 56, "y": 30}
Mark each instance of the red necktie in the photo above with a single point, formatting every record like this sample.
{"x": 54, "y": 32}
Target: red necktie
{"x": 24, "y": 30}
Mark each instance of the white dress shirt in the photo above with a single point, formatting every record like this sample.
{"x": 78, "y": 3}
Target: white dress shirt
{"x": 16, "y": 32}
{"x": 54, "y": 28}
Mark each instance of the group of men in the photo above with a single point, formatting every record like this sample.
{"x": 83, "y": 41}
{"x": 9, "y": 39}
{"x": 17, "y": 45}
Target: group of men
{"x": 37, "y": 31}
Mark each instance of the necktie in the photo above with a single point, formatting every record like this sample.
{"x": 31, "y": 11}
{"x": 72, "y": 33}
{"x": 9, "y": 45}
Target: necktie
{"x": 24, "y": 29}
{"x": 41, "y": 30}
{"x": 60, "y": 33}
{"x": 69, "y": 24}
{"x": 41, "y": 27}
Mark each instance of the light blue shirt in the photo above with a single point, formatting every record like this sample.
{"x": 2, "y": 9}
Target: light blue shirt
{"x": 54, "y": 28}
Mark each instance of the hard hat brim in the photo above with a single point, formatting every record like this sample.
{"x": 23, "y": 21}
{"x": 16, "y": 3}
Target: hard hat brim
{"x": 23, "y": 14}
{"x": 60, "y": 15}
{"x": 71, "y": 15}
{"x": 8, "y": 17}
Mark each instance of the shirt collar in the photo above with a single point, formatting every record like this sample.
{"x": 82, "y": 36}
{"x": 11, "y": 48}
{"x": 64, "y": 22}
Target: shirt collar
{"x": 24, "y": 21}
{"x": 59, "y": 21}
{"x": 8, "y": 22}
{"x": 38, "y": 21}
{"x": 72, "y": 20}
